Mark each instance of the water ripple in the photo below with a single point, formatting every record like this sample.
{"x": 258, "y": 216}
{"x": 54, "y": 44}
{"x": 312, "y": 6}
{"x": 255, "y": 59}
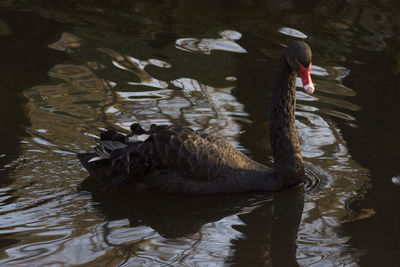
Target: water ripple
{"x": 206, "y": 45}
{"x": 118, "y": 73}
{"x": 292, "y": 32}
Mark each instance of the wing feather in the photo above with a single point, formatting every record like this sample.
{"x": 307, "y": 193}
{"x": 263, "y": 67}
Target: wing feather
{"x": 174, "y": 149}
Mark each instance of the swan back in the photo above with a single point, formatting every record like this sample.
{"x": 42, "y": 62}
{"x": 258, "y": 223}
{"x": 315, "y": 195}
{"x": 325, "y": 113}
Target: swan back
{"x": 169, "y": 150}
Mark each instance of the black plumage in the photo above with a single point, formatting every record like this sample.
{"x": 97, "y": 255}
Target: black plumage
{"x": 179, "y": 159}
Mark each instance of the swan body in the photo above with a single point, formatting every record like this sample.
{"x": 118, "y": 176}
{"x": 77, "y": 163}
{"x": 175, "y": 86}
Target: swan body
{"x": 181, "y": 160}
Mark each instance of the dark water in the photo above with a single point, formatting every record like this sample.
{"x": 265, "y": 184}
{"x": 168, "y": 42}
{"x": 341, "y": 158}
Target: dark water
{"x": 70, "y": 69}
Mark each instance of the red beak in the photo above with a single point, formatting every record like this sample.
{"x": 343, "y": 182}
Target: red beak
{"x": 305, "y": 75}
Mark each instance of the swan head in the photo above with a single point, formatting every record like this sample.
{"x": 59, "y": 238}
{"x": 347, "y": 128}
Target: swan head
{"x": 298, "y": 55}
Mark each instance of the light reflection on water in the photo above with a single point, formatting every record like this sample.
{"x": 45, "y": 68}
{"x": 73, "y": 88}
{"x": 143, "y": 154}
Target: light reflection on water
{"x": 53, "y": 223}
{"x": 206, "y": 45}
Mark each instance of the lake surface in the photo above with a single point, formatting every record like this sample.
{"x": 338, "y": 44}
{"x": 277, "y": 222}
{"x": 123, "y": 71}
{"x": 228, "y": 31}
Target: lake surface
{"x": 70, "y": 69}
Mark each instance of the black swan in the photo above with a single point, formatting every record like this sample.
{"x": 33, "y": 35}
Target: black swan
{"x": 181, "y": 160}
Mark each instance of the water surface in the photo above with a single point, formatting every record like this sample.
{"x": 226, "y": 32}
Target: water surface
{"x": 70, "y": 70}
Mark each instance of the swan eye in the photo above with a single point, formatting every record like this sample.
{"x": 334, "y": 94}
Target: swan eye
{"x": 304, "y": 65}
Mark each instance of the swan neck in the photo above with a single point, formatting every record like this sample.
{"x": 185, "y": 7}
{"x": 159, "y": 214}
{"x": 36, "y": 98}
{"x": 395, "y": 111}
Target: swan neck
{"x": 285, "y": 144}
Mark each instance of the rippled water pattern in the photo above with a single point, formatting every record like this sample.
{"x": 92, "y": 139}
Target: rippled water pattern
{"x": 124, "y": 67}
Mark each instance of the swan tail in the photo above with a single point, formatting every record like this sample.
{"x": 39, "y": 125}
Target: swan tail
{"x": 96, "y": 168}
{"x": 117, "y": 160}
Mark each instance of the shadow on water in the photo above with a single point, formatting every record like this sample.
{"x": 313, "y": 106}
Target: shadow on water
{"x": 378, "y": 134}
{"x": 171, "y": 215}
{"x": 270, "y": 226}
{"x": 25, "y": 60}
{"x": 270, "y": 232}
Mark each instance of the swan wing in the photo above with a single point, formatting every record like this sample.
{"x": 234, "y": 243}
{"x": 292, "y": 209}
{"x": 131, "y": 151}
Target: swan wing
{"x": 195, "y": 155}
{"x": 170, "y": 149}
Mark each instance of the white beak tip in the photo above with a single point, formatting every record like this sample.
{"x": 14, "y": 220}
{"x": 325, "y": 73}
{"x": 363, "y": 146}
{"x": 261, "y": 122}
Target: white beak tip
{"x": 309, "y": 88}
